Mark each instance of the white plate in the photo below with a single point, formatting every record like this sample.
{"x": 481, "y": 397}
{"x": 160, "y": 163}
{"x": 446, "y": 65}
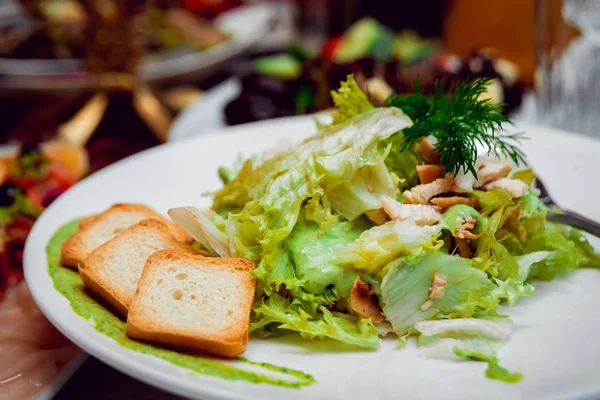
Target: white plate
{"x": 554, "y": 344}
{"x": 207, "y": 114}
{"x": 247, "y": 25}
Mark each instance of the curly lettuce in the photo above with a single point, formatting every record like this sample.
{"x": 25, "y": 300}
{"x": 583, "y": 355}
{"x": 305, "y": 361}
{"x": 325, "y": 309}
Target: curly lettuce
{"x": 349, "y": 101}
{"x": 277, "y": 314}
{"x": 518, "y": 245}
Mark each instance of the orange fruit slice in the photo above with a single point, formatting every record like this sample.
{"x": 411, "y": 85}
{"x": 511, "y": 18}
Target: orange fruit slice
{"x": 74, "y": 157}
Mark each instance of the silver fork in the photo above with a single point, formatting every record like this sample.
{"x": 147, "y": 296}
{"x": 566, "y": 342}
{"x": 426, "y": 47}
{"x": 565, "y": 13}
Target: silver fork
{"x": 567, "y": 217}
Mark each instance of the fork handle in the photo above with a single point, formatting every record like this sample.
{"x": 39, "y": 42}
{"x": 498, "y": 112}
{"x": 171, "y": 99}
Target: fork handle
{"x": 576, "y": 220}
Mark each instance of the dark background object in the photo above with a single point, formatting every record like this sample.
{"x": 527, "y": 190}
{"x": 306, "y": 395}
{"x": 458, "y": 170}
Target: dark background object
{"x": 424, "y": 17}
{"x": 100, "y": 382}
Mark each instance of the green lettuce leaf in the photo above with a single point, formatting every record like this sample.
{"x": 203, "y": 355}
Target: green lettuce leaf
{"x": 568, "y": 248}
{"x": 349, "y": 101}
{"x": 497, "y": 249}
{"x": 401, "y": 163}
{"x": 364, "y": 192}
{"x": 381, "y": 244}
{"x": 312, "y": 253}
{"x": 227, "y": 174}
{"x": 501, "y": 236}
{"x": 468, "y": 338}
{"x": 531, "y": 204}
{"x": 527, "y": 176}
{"x": 405, "y": 290}
{"x": 494, "y": 370}
{"x": 518, "y": 244}
{"x": 200, "y": 226}
{"x": 285, "y": 315}
{"x": 438, "y": 339}
{"x": 491, "y": 200}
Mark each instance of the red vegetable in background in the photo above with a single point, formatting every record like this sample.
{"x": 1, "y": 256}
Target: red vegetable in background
{"x": 209, "y": 8}
{"x": 330, "y": 46}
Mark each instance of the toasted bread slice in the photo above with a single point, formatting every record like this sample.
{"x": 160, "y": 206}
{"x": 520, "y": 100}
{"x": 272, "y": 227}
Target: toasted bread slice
{"x": 194, "y": 302}
{"x": 113, "y": 270}
{"x": 102, "y": 227}
{"x": 87, "y": 220}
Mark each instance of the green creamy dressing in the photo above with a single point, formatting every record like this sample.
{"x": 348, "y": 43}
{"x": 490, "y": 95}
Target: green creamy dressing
{"x": 311, "y": 250}
{"x": 69, "y": 284}
{"x": 454, "y": 216}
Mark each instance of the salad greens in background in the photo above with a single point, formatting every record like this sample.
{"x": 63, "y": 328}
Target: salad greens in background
{"x": 297, "y": 81}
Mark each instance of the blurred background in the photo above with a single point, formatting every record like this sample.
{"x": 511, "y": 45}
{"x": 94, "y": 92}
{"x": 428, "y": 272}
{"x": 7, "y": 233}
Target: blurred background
{"x": 86, "y": 83}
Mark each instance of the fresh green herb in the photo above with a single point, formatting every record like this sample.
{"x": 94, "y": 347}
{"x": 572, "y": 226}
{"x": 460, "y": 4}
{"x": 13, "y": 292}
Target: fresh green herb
{"x": 459, "y": 119}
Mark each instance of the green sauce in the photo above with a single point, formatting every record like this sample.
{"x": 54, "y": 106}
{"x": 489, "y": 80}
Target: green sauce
{"x": 310, "y": 251}
{"x": 69, "y": 284}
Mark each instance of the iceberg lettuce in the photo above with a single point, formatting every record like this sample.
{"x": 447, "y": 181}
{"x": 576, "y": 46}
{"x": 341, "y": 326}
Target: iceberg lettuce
{"x": 405, "y": 290}
{"x": 381, "y": 244}
{"x": 439, "y": 338}
{"x": 363, "y": 192}
{"x": 468, "y": 338}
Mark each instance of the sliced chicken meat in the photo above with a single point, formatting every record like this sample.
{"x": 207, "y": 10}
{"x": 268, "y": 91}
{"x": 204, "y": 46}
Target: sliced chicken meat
{"x": 378, "y": 217}
{"x": 420, "y": 213}
{"x": 438, "y": 286}
{"x": 489, "y": 170}
{"x": 427, "y": 151}
{"x": 429, "y": 173}
{"x": 364, "y": 301}
{"x": 514, "y": 187}
{"x": 447, "y": 202}
{"x": 464, "y": 182}
{"x": 421, "y": 194}
{"x": 464, "y": 231}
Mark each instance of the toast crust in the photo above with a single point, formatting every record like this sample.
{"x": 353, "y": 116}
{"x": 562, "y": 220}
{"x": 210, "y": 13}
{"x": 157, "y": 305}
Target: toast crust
{"x": 87, "y": 220}
{"x": 229, "y": 342}
{"x": 103, "y": 287}
{"x": 73, "y": 252}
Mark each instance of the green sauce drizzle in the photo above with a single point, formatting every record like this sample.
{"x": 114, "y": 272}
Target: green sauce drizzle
{"x": 69, "y": 284}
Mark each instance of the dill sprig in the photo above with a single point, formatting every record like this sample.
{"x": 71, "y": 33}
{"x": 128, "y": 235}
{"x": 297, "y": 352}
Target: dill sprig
{"x": 460, "y": 120}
